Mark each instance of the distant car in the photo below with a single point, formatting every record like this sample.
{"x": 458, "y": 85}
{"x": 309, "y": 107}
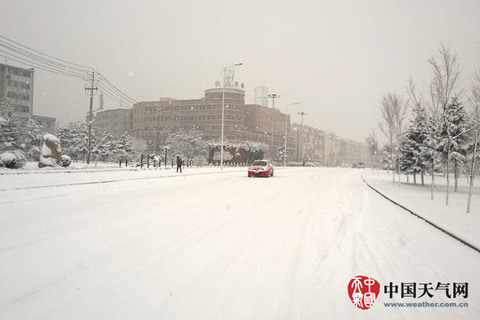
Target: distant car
{"x": 260, "y": 168}
{"x": 361, "y": 165}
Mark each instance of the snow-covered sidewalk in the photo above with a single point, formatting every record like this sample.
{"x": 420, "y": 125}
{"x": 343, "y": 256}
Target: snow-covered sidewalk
{"x": 80, "y": 173}
{"x": 417, "y": 198}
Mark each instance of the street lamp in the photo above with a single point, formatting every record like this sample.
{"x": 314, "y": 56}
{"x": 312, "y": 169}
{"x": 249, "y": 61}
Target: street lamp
{"x": 286, "y": 127}
{"x": 223, "y": 108}
{"x": 301, "y": 133}
{"x": 273, "y": 96}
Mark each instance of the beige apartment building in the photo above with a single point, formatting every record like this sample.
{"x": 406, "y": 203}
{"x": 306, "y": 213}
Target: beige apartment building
{"x": 168, "y": 115}
{"x": 241, "y": 122}
{"x": 116, "y": 121}
{"x": 155, "y": 120}
{"x": 16, "y": 88}
{"x": 264, "y": 124}
{"x": 327, "y": 149}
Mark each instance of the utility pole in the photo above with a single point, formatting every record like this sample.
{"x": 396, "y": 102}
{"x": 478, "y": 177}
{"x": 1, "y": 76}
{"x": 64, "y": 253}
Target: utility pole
{"x": 90, "y": 115}
{"x": 300, "y": 156}
{"x": 273, "y": 96}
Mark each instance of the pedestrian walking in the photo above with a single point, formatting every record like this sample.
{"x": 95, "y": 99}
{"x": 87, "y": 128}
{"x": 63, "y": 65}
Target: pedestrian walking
{"x": 179, "y": 164}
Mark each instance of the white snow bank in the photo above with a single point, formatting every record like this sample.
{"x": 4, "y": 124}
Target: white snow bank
{"x": 7, "y": 157}
{"x": 14, "y": 159}
{"x": 452, "y": 218}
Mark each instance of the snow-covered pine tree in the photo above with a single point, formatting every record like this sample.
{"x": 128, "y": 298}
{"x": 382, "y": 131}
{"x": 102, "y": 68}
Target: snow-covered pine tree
{"x": 453, "y": 143}
{"x": 106, "y": 147}
{"x": 125, "y": 146}
{"x": 10, "y": 133}
{"x": 429, "y": 154}
{"x": 411, "y": 145}
{"x": 139, "y": 145}
{"x": 9, "y": 128}
{"x": 65, "y": 136}
{"x": 31, "y": 138}
{"x": 73, "y": 140}
{"x": 406, "y": 157}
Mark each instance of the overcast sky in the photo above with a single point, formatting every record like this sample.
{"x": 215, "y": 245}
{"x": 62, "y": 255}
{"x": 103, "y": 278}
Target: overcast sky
{"x": 337, "y": 59}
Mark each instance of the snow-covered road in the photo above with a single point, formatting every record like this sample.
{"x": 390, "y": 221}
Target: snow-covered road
{"x": 220, "y": 246}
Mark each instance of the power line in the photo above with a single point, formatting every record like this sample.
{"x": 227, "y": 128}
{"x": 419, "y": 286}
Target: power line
{"x": 115, "y": 89}
{"x": 46, "y": 55}
{"x": 112, "y": 96}
{"x": 36, "y": 59}
{"x": 33, "y": 58}
{"x": 40, "y": 66}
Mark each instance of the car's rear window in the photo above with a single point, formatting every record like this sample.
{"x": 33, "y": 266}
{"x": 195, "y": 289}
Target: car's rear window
{"x": 259, "y": 163}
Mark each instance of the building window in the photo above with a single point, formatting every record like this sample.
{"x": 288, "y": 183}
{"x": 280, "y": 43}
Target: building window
{"x": 24, "y": 109}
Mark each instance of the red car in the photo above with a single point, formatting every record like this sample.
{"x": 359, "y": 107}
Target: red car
{"x": 260, "y": 168}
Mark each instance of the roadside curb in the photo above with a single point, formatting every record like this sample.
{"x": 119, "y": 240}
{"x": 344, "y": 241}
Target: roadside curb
{"x": 471, "y": 246}
{"x": 84, "y": 170}
{"x": 65, "y": 170}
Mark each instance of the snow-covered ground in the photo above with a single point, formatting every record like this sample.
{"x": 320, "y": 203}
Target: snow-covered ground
{"x": 211, "y": 244}
{"x": 417, "y": 198}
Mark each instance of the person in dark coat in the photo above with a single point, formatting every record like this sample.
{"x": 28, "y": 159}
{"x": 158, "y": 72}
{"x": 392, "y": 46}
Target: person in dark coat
{"x": 179, "y": 164}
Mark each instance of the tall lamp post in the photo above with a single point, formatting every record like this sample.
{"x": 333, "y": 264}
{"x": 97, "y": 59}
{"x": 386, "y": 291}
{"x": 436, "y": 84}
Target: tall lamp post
{"x": 273, "y": 96}
{"x": 300, "y": 156}
{"x": 223, "y": 108}
{"x": 286, "y": 131}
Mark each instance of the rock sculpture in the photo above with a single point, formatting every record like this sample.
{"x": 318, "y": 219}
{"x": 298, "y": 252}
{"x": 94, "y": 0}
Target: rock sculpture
{"x": 51, "y": 152}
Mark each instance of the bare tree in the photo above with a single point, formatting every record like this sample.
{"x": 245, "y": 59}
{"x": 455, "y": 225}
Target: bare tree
{"x": 444, "y": 82}
{"x": 442, "y": 89}
{"x": 416, "y": 99}
{"x": 393, "y": 114}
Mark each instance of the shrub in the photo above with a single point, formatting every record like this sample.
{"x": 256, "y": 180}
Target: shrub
{"x": 66, "y": 160}
{"x": 12, "y": 159}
